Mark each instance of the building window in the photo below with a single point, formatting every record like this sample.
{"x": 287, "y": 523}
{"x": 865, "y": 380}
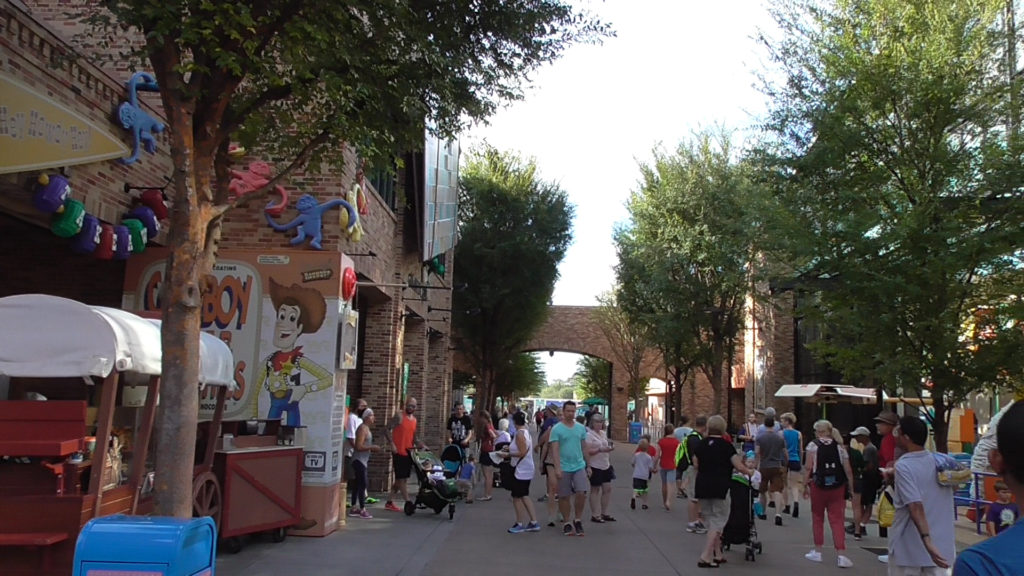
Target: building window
{"x": 383, "y": 181}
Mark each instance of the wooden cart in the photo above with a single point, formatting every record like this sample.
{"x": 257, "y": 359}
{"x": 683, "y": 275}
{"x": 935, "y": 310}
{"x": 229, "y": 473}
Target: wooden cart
{"x": 48, "y": 492}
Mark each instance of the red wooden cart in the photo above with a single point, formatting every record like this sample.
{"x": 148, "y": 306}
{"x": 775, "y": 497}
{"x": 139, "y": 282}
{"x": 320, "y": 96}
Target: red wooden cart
{"x": 68, "y": 352}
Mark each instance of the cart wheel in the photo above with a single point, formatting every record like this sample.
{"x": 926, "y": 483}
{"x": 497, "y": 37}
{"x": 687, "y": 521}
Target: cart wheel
{"x": 232, "y": 545}
{"x": 410, "y": 508}
{"x": 279, "y": 534}
{"x": 451, "y": 511}
{"x": 206, "y": 498}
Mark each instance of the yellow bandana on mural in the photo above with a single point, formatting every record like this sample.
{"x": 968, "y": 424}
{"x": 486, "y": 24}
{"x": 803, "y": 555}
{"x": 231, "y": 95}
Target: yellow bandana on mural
{"x": 37, "y": 132}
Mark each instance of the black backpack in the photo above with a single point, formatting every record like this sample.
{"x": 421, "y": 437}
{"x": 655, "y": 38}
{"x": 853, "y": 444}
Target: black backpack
{"x": 828, "y": 469}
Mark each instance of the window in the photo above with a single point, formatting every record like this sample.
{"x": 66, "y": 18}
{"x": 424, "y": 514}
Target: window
{"x": 383, "y": 181}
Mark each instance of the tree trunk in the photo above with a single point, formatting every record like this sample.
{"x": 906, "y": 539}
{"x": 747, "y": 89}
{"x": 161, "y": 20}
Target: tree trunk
{"x": 181, "y": 298}
{"x": 716, "y": 387}
{"x": 940, "y": 422}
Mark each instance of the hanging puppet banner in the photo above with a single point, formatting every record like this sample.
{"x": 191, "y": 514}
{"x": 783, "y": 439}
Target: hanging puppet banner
{"x": 280, "y": 314}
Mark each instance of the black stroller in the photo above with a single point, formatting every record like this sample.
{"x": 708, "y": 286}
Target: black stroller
{"x": 740, "y": 528}
{"x": 438, "y": 488}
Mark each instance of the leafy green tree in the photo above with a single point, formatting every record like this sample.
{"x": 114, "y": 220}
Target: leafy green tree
{"x": 684, "y": 258}
{"x": 629, "y": 339}
{"x": 897, "y": 163}
{"x": 295, "y": 80}
{"x": 514, "y": 230}
{"x": 559, "y": 389}
{"x": 593, "y": 377}
{"x": 525, "y": 377}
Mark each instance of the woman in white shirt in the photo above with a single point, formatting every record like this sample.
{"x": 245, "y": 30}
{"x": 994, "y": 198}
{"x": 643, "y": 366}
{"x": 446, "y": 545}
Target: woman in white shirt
{"x": 521, "y": 453}
{"x": 598, "y": 447}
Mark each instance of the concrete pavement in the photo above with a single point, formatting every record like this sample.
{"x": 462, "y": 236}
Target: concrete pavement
{"x": 651, "y": 542}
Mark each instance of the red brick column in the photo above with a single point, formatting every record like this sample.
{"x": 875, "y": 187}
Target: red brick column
{"x": 619, "y": 414}
{"x": 382, "y": 358}
{"x": 415, "y": 354}
{"x": 439, "y": 389}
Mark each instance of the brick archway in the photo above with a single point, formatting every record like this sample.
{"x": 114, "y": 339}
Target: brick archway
{"x": 573, "y": 329}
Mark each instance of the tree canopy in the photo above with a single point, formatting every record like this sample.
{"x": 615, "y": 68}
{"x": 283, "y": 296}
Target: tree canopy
{"x": 629, "y": 339}
{"x": 514, "y": 229}
{"x": 593, "y": 378}
{"x": 683, "y": 256}
{"x": 896, "y": 163}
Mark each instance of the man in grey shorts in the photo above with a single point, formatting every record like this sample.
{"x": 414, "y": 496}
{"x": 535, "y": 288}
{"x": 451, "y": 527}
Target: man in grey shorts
{"x": 571, "y": 467}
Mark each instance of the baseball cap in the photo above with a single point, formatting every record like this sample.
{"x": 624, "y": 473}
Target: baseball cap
{"x": 888, "y": 417}
{"x": 860, "y": 431}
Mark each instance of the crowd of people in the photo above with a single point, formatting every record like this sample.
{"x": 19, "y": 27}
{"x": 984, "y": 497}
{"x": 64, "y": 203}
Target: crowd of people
{"x": 697, "y": 463}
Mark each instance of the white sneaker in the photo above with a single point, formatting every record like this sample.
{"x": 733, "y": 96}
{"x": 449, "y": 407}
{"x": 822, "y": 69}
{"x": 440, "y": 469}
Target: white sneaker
{"x": 884, "y": 558}
{"x": 843, "y": 562}
{"x": 813, "y": 556}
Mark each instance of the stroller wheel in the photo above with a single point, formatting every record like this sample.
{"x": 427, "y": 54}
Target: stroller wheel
{"x": 727, "y": 546}
{"x": 758, "y": 546}
{"x": 451, "y": 511}
{"x": 410, "y": 508}
{"x": 749, "y": 556}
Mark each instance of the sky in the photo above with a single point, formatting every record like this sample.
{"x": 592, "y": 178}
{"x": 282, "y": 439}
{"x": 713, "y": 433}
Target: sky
{"x": 591, "y": 118}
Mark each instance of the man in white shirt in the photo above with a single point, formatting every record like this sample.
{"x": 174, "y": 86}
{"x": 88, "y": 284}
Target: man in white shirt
{"x": 921, "y": 540}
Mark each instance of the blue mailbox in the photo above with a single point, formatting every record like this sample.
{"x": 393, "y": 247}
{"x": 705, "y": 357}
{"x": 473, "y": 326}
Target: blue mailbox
{"x": 636, "y": 430}
{"x": 155, "y": 546}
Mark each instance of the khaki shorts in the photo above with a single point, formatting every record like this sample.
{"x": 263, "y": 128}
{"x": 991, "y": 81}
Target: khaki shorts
{"x": 773, "y": 479}
{"x": 715, "y": 513}
{"x": 573, "y": 483}
{"x": 690, "y": 483}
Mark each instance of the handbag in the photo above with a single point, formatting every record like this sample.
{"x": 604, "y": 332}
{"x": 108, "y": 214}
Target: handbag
{"x": 507, "y": 473}
{"x": 886, "y": 509}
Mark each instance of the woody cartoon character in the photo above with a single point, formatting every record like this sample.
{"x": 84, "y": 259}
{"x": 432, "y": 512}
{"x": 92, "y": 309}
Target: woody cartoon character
{"x": 299, "y": 311}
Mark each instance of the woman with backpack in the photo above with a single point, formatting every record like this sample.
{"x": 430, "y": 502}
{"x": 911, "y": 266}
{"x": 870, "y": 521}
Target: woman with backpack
{"x": 827, "y": 483}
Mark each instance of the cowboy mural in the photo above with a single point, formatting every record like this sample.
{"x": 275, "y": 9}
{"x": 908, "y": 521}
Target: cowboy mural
{"x": 286, "y": 374}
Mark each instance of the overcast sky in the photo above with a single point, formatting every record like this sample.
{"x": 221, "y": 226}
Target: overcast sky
{"x": 676, "y": 66}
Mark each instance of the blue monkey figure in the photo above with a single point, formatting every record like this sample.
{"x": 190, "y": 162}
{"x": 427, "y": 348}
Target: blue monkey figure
{"x": 310, "y": 219}
{"x": 134, "y": 118}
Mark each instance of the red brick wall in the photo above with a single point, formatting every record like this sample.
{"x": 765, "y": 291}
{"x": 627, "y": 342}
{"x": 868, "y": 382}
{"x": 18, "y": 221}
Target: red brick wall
{"x": 35, "y": 261}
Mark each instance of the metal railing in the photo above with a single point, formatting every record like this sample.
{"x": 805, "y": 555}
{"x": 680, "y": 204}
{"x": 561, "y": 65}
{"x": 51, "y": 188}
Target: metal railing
{"x": 974, "y": 497}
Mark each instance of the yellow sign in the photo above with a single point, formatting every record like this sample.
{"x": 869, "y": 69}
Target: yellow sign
{"x": 37, "y": 132}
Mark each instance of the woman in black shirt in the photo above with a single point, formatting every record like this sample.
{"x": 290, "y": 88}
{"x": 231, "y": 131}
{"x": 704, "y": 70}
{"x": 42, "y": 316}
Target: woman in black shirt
{"x": 714, "y": 460}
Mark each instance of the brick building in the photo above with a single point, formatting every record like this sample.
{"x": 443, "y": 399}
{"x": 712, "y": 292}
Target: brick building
{"x": 403, "y": 333}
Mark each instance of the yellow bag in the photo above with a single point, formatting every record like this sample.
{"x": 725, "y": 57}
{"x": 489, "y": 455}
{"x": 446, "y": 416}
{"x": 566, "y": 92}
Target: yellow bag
{"x": 886, "y": 509}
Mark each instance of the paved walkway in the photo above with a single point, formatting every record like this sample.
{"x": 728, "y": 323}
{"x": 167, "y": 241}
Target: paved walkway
{"x": 650, "y": 542}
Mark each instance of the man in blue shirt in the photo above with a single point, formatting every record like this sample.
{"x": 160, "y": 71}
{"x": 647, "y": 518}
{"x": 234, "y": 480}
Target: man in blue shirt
{"x": 572, "y": 467}
{"x": 1000, "y": 555}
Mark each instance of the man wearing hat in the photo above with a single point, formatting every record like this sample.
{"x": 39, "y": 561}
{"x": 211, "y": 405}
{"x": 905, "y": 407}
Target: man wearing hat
{"x": 885, "y": 423}
{"x": 867, "y": 480}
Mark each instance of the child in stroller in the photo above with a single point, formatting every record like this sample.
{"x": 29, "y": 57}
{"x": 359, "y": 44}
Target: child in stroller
{"x": 438, "y": 487}
{"x": 740, "y": 528}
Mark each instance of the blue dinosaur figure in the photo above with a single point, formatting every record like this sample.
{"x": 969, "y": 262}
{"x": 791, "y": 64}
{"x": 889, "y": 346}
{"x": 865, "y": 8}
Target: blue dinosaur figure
{"x": 310, "y": 219}
{"x": 134, "y": 118}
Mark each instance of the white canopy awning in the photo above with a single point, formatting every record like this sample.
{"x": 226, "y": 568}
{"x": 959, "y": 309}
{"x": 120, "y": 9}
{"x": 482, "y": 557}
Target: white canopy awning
{"x": 44, "y": 336}
{"x": 216, "y": 363}
{"x": 822, "y": 392}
